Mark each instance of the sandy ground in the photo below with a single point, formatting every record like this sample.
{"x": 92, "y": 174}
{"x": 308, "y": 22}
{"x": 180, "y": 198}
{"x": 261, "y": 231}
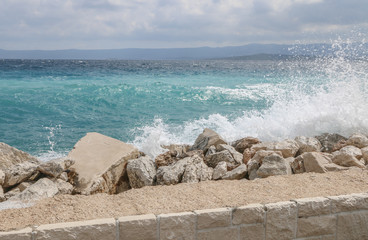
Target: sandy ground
{"x": 185, "y": 197}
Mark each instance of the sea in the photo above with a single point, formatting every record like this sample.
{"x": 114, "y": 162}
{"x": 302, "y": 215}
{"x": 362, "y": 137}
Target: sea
{"x": 46, "y": 106}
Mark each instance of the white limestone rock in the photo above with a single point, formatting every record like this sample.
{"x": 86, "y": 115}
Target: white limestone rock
{"x": 237, "y": 173}
{"x": 254, "y": 164}
{"x": 358, "y": 140}
{"x": 172, "y": 174}
{"x": 225, "y": 155}
{"x": 19, "y": 173}
{"x": 308, "y": 144}
{"x": 55, "y": 167}
{"x": 331, "y": 141}
{"x": 206, "y": 139}
{"x": 350, "y": 150}
{"x": 197, "y": 171}
{"x": 238, "y": 157}
{"x": 63, "y": 187}
{"x": 43, "y": 188}
{"x": 347, "y": 160}
{"x": 273, "y": 165}
{"x": 220, "y": 170}
{"x": 288, "y": 147}
{"x": 10, "y": 156}
{"x": 141, "y": 172}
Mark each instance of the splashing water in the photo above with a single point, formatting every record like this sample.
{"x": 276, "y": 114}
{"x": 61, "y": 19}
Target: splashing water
{"x": 51, "y": 153}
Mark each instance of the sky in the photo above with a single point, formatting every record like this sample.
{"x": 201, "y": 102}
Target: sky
{"x": 116, "y": 24}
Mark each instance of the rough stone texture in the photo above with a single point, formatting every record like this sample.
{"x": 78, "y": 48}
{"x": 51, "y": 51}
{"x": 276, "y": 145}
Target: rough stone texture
{"x": 298, "y": 165}
{"x": 177, "y": 150}
{"x": 10, "y": 156}
{"x": 55, "y": 167}
{"x": 64, "y": 187}
{"x": 250, "y": 214}
{"x": 351, "y": 150}
{"x": 196, "y": 171}
{"x": 2, "y": 177}
{"x": 314, "y": 162}
{"x": 316, "y": 226}
{"x": 220, "y": 170}
{"x": 308, "y": 207}
{"x": 138, "y": 227}
{"x": 178, "y": 226}
{"x": 352, "y": 202}
{"x": 245, "y": 143}
{"x": 43, "y": 188}
{"x": 24, "y": 234}
{"x": 165, "y": 159}
{"x": 22, "y": 186}
{"x": 225, "y": 155}
{"x": 254, "y": 164}
{"x": 365, "y": 154}
{"x": 221, "y": 233}
{"x": 252, "y": 232}
{"x": 358, "y": 140}
{"x": 19, "y": 173}
{"x": 63, "y": 176}
{"x": 211, "y": 150}
{"x": 11, "y": 193}
{"x": 308, "y": 144}
{"x": 206, "y": 139}
{"x": 347, "y": 160}
{"x": 100, "y": 163}
{"x": 352, "y": 226}
{"x": 329, "y": 141}
{"x": 237, "y": 173}
{"x": 281, "y": 220}
{"x": 213, "y": 218}
{"x": 273, "y": 165}
{"x": 2, "y": 196}
{"x": 172, "y": 174}
{"x": 141, "y": 172}
{"x": 87, "y": 230}
{"x": 288, "y": 148}
{"x": 248, "y": 154}
{"x": 238, "y": 157}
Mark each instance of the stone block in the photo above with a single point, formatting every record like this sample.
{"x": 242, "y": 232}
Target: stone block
{"x": 250, "y": 214}
{"x": 138, "y": 227}
{"x": 86, "y": 230}
{"x": 252, "y": 232}
{"x": 178, "y": 226}
{"x": 213, "y": 218}
{"x": 218, "y": 234}
{"x": 24, "y": 234}
{"x": 316, "y": 226}
{"x": 346, "y": 203}
{"x": 281, "y": 220}
{"x": 313, "y": 206}
{"x": 352, "y": 226}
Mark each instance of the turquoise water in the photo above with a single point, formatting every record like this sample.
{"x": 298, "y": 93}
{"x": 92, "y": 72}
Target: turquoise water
{"x": 46, "y": 106}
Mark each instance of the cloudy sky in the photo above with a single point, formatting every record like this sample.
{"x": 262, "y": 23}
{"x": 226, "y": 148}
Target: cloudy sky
{"x": 109, "y": 24}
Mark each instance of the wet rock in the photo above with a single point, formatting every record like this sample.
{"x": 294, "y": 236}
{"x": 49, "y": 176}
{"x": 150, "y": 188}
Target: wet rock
{"x": 55, "y": 167}
{"x": 220, "y": 170}
{"x": 217, "y": 157}
{"x": 347, "y": 160}
{"x": 63, "y": 187}
{"x": 238, "y": 157}
{"x": 10, "y": 156}
{"x": 100, "y": 163}
{"x": 358, "y": 140}
{"x": 207, "y": 139}
{"x": 254, "y": 164}
{"x": 330, "y": 142}
{"x": 308, "y": 144}
{"x": 288, "y": 148}
{"x": 273, "y": 165}
{"x": 196, "y": 171}
{"x": 43, "y": 188}
{"x": 245, "y": 143}
{"x": 19, "y": 173}
{"x": 237, "y": 173}
{"x": 141, "y": 172}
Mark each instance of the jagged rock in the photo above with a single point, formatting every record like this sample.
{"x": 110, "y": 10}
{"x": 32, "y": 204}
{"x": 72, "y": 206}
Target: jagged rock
{"x": 2, "y": 177}
{"x": 193, "y": 153}
{"x": 10, "y": 156}
{"x": 63, "y": 176}
{"x": 318, "y": 162}
{"x": 308, "y": 144}
{"x": 224, "y": 155}
{"x": 254, "y": 164}
{"x": 2, "y": 196}
{"x": 220, "y": 170}
{"x": 19, "y": 173}
{"x": 245, "y": 143}
{"x": 206, "y": 139}
{"x": 196, "y": 170}
{"x": 350, "y": 150}
{"x": 100, "y": 163}
{"x": 11, "y": 193}
{"x": 165, "y": 159}
{"x": 238, "y": 157}
{"x": 211, "y": 150}
{"x": 172, "y": 174}
{"x": 347, "y": 160}
{"x": 237, "y": 173}
{"x": 273, "y": 165}
{"x": 177, "y": 150}
{"x": 64, "y": 187}
{"x": 365, "y": 154}
{"x": 330, "y": 142}
{"x": 141, "y": 172}
{"x": 43, "y": 188}
{"x": 298, "y": 165}
{"x": 248, "y": 154}
{"x": 55, "y": 167}
{"x": 358, "y": 140}
{"x": 288, "y": 148}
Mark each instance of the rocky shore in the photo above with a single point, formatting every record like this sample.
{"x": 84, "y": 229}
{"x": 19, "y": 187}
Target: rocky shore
{"x": 100, "y": 164}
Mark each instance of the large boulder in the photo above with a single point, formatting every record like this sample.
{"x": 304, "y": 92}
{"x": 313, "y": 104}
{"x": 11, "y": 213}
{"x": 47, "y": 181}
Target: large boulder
{"x": 308, "y": 144}
{"x": 245, "y": 143}
{"x": 273, "y": 165}
{"x": 100, "y": 163}
{"x": 358, "y": 140}
{"x": 347, "y": 160}
{"x": 19, "y": 173}
{"x": 206, "y": 139}
{"x": 54, "y": 168}
{"x": 172, "y": 174}
{"x": 350, "y": 150}
{"x": 331, "y": 141}
{"x": 141, "y": 172}
{"x": 254, "y": 164}
{"x": 220, "y": 170}
{"x": 43, "y": 188}
{"x": 10, "y": 156}
{"x": 317, "y": 162}
{"x": 238, "y": 157}
{"x": 237, "y": 173}
{"x": 225, "y": 155}
{"x": 196, "y": 171}
{"x": 288, "y": 147}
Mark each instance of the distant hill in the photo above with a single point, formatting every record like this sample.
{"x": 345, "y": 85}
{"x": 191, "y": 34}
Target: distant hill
{"x": 240, "y": 52}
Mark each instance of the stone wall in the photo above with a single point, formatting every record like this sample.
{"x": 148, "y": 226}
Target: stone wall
{"x": 339, "y": 217}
